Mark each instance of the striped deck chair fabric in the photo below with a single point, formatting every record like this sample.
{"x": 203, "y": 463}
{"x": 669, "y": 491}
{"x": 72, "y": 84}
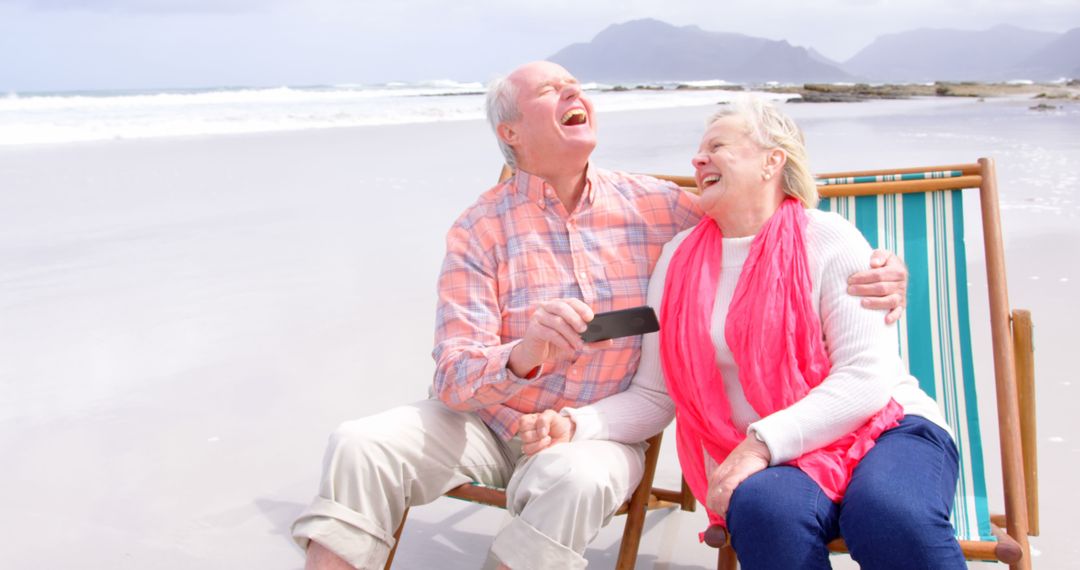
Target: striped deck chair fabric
{"x": 918, "y": 214}
{"x": 926, "y": 229}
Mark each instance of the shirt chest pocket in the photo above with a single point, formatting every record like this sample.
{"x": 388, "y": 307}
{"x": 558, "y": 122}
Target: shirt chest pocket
{"x": 599, "y": 374}
{"x": 626, "y": 283}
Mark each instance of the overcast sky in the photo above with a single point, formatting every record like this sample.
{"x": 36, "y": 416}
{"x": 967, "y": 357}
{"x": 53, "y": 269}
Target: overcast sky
{"x": 113, "y": 44}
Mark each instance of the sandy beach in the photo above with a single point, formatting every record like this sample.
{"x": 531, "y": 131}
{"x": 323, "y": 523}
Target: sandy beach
{"x": 183, "y": 321}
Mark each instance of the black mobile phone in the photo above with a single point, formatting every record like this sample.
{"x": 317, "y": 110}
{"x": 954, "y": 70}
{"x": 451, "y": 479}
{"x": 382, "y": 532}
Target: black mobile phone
{"x": 624, "y": 322}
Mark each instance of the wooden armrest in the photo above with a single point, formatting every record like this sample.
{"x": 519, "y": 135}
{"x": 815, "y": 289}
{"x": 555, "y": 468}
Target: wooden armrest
{"x": 1024, "y": 350}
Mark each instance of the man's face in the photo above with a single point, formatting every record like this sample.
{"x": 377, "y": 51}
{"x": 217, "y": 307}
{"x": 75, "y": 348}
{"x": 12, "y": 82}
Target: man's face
{"x": 556, "y": 125}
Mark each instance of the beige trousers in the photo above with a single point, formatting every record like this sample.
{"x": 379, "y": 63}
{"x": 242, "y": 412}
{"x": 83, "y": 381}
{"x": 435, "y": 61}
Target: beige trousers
{"x": 376, "y": 467}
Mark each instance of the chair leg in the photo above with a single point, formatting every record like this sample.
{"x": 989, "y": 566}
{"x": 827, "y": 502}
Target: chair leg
{"x": 639, "y": 503}
{"x": 631, "y": 539}
{"x": 725, "y": 559}
{"x": 397, "y": 539}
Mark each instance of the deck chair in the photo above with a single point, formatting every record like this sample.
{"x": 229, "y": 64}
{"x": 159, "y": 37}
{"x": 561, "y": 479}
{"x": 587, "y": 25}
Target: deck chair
{"x": 645, "y": 497}
{"x": 918, "y": 213}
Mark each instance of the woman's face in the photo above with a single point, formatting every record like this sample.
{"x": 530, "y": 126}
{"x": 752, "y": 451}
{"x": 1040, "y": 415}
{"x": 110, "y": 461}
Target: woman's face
{"x": 729, "y": 166}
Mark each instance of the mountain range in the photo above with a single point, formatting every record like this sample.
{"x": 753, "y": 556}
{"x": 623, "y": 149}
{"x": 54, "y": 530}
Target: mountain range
{"x": 651, "y": 50}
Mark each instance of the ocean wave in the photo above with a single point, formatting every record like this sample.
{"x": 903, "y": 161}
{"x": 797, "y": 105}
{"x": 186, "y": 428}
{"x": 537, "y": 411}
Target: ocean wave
{"x": 58, "y": 131}
{"x": 42, "y": 118}
{"x": 705, "y": 84}
{"x": 244, "y": 96}
{"x": 429, "y": 87}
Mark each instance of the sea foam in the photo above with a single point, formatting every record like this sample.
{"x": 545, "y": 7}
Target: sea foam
{"x": 43, "y": 118}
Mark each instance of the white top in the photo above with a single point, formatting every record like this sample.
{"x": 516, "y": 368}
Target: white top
{"x": 866, "y": 367}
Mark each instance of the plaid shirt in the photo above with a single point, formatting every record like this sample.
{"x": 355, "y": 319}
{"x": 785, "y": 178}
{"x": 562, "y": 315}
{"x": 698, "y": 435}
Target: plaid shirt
{"x": 517, "y": 247}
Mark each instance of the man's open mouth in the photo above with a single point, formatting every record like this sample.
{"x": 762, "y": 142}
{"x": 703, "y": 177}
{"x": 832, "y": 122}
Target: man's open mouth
{"x": 710, "y": 180}
{"x": 574, "y": 117}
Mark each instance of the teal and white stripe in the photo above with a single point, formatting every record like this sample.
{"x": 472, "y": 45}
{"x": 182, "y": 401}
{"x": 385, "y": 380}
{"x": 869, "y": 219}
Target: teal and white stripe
{"x": 889, "y": 177}
{"x": 934, "y": 337}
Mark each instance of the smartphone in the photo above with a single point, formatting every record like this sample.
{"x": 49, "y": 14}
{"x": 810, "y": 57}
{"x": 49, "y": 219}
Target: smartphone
{"x": 624, "y": 322}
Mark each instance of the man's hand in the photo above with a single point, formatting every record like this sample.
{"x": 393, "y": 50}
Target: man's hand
{"x": 540, "y": 431}
{"x": 554, "y": 331}
{"x": 747, "y": 458}
{"x": 884, "y": 285}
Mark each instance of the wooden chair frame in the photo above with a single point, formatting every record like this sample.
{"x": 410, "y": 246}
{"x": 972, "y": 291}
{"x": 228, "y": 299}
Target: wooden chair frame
{"x": 1014, "y": 372}
{"x": 645, "y": 498}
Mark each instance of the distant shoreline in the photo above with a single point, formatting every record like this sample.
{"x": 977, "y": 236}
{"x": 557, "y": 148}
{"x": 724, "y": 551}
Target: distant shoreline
{"x": 825, "y": 93}
{"x": 855, "y": 92}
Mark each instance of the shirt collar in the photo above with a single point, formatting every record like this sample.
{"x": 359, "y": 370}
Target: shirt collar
{"x": 537, "y": 190}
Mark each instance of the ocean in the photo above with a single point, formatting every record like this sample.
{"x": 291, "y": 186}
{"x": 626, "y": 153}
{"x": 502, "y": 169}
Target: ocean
{"x": 43, "y": 118}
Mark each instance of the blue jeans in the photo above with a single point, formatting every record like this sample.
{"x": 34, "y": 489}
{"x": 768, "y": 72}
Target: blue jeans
{"x": 895, "y": 513}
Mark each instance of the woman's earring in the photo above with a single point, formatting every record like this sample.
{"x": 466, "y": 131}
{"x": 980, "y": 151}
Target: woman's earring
{"x": 765, "y": 176}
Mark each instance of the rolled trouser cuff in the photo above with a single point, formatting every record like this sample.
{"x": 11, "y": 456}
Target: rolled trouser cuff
{"x": 352, "y": 536}
{"x": 522, "y": 547}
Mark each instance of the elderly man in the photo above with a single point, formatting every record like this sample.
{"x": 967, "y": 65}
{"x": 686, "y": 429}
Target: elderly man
{"x": 526, "y": 267}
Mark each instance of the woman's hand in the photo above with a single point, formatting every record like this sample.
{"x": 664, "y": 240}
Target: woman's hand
{"x": 747, "y": 458}
{"x": 540, "y": 431}
{"x": 884, "y": 285}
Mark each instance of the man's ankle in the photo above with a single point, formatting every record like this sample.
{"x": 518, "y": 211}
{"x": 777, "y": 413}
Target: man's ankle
{"x": 320, "y": 557}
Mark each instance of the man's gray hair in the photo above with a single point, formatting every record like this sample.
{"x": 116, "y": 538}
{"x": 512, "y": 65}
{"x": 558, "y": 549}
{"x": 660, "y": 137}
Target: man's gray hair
{"x": 502, "y": 108}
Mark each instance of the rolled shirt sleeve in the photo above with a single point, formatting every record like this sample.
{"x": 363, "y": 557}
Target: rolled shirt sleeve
{"x": 470, "y": 357}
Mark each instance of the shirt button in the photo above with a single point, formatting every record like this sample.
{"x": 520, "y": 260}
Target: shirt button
{"x": 583, "y": 275}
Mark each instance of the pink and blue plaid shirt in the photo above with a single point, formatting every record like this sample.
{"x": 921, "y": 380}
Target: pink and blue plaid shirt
{"x": 517, "y": 247}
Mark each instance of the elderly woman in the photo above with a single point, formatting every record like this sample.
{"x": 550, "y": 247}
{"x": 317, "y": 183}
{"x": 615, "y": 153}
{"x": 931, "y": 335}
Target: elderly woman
{"x": 797, "y": 421}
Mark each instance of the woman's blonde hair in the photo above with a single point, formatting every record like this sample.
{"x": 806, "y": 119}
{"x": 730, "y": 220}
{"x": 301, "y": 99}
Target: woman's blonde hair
{"x": 771, "y": 128}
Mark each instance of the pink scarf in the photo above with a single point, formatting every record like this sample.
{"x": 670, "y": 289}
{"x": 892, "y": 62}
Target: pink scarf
{"x": 775, "y": 337}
